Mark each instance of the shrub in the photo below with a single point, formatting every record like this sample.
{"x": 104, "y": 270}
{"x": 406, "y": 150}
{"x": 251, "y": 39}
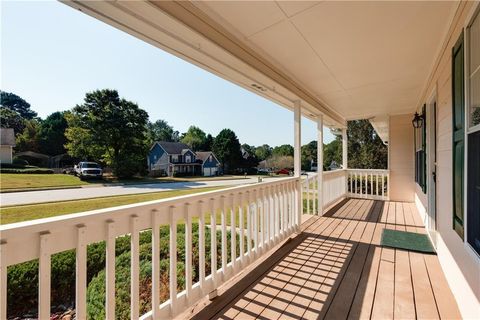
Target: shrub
{"x": 19, "y": 161}
{"x": 27, "y": 170}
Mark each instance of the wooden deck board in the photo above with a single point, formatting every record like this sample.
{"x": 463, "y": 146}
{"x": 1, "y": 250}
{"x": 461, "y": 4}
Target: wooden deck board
{"x": 338, "y": 270}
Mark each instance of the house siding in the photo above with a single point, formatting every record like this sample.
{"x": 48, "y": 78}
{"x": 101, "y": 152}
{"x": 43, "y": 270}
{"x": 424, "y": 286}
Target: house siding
{"x": 459, "y": 262}
{"x": 211, "y": 164}
{"x": 154, "y": 155}
{"x": 5, "y": 154}
{"x": 401, "y": 162}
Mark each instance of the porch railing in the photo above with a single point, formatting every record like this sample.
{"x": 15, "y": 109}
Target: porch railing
{"x": 334, "y": 183}
{"x": 249, "y": 221}
{"x": 368, "y": 183}
{"x": 259, "y": 216}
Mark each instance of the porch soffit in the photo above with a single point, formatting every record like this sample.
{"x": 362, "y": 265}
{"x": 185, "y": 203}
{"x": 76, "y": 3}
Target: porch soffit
{"x": 364, "y": 59}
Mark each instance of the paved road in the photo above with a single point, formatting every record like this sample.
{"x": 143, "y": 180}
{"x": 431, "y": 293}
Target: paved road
{"x": 29, "y": 197}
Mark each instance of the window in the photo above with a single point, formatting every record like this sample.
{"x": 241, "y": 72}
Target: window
{"x": 174, "y": 158}
{"x": 473, "y": 137}
{"x": 188, "y": 158}
{"x": 458, "y": 134}
{"x": 420, "y": 154}
{"x": 473, "y": 32}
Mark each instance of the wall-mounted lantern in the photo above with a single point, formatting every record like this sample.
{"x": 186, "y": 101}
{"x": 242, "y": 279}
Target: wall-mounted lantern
{"x": 417, "y": 121}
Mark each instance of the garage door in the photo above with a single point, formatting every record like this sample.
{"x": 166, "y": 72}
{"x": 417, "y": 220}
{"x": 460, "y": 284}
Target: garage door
{"x": 206, "y": 172}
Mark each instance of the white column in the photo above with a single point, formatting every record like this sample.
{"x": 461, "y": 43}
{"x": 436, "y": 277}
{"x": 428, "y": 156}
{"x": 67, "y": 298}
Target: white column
{"x": 297, "y": 118}
{"x": 344, "y": 149}
{"x": 320, "y": 164}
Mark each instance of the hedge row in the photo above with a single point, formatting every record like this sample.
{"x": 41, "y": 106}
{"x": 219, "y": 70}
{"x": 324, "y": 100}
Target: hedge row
{"x": 27, "y": 170}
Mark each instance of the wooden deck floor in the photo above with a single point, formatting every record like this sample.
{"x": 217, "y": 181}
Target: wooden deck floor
{"x": 336, "y": 269}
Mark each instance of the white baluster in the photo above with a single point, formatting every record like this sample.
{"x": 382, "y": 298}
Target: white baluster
{"x": 201, "y": 246}
{"x": 155, "y": 264}
{"x": 233, "y": 232}
{"x": 134, "y": 269}
{"x": 110, "y": 272}
{"x": 249, "y": 226}
{"x": 81, "y": 274}
{"x": 44, "y": 276}
{"x": 3, "y": 280}
{"x": 213, "y": 240}
{"x": 224, "y": 237}
{"x": 188, "y": 251}
{"x": 173, "y": 262}
{"x": 241, "y": 224}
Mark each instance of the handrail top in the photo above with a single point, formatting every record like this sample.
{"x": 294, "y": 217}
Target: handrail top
{"x": 161, "y": 202}
{"x": 369, "y": 170}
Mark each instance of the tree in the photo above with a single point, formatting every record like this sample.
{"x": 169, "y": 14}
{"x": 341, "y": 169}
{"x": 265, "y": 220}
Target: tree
{"x": 283, "y": 150}
{"x": 279, "y": 162}
{"x": 15, "y": 103}
{"x": 52, "y": 134}
{"x": 208, "y": 144}
{"x": 110, "y": 129}
{"x": 263, "y": 152}
{"x": 308, "y": 154}
{"x": 194, "y": 138}
{"x": 28, "y": 140}
{"x": 365, "y": 148}
{"x": 249, "y": 159}
{"x": 332, "y": 152}
{"x": 160, "y": 130}
{"x": 12, "y": 119}
{"x": 227, "y": 149}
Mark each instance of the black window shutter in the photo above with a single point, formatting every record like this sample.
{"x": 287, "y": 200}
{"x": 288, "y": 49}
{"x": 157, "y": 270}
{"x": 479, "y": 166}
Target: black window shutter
{"x": 423, "y": 164}
{"x": 458, "y": 139}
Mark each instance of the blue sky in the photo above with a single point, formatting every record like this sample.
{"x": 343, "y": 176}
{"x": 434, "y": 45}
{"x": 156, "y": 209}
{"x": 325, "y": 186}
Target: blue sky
{"x": 51, "y": 55}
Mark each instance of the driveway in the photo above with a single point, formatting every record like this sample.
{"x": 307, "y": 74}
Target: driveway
{"x": 29, "y": 197}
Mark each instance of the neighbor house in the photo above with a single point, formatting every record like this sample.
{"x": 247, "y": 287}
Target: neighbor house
{"x": 210, "y": 163}
{"x": 7, "y": 142}
{"x": 172, "y": 158}
{"x": 175, "y": 158}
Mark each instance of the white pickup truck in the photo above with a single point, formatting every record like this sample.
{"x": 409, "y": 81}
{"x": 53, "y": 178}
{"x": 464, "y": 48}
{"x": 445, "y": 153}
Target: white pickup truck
{"x": 86, "y": 170}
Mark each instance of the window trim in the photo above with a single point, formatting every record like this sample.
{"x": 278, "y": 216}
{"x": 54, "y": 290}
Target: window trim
{"x": 474, "y": 13}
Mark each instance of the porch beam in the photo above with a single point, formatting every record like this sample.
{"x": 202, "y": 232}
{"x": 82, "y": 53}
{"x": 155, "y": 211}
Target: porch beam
{"x": 320, "y": 164}
{"x": 344, "y": 149}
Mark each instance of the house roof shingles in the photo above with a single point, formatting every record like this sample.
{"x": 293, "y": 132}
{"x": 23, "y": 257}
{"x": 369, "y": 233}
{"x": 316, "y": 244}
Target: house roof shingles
{"x": 7, "y": 137}
{"x": 173, "y": 147}
{"x": 203, "y": 155}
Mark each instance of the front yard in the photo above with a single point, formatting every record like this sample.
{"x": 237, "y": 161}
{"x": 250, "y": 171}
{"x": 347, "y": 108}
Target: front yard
{"x": 14, "y": 181}
{"x": 20, "y": 182}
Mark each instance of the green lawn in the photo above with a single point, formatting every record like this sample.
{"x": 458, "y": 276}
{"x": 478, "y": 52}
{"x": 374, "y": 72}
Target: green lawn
{"x": 27, "y": 181}
{"x": 18, "y": 181}
{"x": 37, "y": 211}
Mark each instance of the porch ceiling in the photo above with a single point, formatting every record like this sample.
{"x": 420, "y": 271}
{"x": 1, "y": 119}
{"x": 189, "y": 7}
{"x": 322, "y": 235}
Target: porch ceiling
{"x": 362, "y": 58}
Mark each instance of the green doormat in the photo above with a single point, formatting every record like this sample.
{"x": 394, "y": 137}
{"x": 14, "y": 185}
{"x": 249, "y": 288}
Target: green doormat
{"x": 407, "y": 240}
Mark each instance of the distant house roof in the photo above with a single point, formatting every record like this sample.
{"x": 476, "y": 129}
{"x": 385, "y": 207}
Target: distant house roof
{"x": 33, "y": 155}
{"x": 7, "y": 137}
{"x": 203, "y": 155}
{"x": 173, "y": 147}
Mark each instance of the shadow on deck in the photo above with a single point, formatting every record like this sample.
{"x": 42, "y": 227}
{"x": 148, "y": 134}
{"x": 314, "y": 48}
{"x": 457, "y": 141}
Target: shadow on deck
{"x": 336, "y": 269}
